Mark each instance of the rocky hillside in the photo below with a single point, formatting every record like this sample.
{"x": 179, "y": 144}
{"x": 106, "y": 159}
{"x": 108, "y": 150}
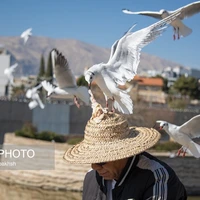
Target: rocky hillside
{"x": 79, "y": 54}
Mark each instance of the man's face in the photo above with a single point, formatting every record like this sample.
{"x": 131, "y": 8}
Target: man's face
{"x": 110, "y": 170}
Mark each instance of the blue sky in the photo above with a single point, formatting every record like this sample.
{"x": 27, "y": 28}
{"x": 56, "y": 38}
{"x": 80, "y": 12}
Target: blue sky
{"x": 100, "y": 22}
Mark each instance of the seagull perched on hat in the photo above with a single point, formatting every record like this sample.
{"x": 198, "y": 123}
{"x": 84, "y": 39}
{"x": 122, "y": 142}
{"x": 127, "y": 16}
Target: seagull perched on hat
{"x": 66, "y": 81}
{"x": 123, "y": 63}
{"x": 187, "y": 134}
{"x": 179, "y": 28}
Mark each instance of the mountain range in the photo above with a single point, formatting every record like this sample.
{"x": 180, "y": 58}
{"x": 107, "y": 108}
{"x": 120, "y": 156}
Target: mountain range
{"x": 80, "y": 55}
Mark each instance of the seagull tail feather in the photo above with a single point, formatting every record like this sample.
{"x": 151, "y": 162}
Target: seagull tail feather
{"x": 124, "y": 103}
{"x": 83, "y": 94}
{"x": 32, "y": 104}
{"x": 184, "y": 30}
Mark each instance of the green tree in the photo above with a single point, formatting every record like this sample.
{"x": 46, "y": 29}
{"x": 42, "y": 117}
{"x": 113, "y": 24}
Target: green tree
{"x": 81, "y": 81}
{"x": 187, "y": 86}
{"x": 49, "y": 71}
{"x": 18, "y": 91}
{"x": 42, "y": 68}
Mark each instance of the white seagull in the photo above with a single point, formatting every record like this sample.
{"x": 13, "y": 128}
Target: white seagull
{"x": 33, "y": 94}
{"x": 9, "y": 73}
{"x": 123, "y": 63}
{"x": 26, "y": 34}
{"x": 179, "y": 28}
{"x": 187, "y": 135}
{"x": 66, "y": 81}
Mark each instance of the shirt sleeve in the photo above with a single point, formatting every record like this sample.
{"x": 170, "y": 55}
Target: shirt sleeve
{"x": 164, "y": 185}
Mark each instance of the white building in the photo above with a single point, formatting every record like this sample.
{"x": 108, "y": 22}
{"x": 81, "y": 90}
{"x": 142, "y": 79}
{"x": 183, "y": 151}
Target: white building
{"x": 173, "y": 73}
{"x": 195, "y": 73}
{"x": 4, "y": 63}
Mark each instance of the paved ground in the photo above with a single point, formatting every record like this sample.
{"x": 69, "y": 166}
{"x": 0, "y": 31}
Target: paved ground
{"x": 70, "y": 177}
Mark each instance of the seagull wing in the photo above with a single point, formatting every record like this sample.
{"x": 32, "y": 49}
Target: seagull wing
{"x": 35, "y": 89}
{"x": 114, "y": 46}
{"x": 126, "y": 57}
{"x": 64, "y": 76}
{"x": 29, "y": 93}
{"x": 26, "y": 32}
{"x": 47, "y": 86}
{"x": 153, "y": 14}
{"x": 189, "y": 10}
{"x": 12, "y": 67}
{"x": 191, "y": 127}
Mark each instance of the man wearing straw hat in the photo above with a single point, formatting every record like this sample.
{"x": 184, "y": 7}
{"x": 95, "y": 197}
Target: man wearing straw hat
{"x": 121, "y": 168}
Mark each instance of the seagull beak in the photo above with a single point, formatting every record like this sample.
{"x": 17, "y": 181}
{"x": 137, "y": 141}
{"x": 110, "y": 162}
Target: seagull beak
{"x": 89, "y": 86}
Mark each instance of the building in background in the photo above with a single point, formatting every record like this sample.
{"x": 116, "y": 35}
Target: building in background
{"x": 146, "y": 89}
{"x": 4, "y": 63}
{"x": 172, "y": 74}
{"x": 195, "y": 73}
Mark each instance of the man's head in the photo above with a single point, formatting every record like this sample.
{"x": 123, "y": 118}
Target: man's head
{"x": 110, "y": 170}
{"x": 108, "y": 137}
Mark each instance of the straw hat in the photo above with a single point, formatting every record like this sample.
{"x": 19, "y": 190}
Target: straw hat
{"x": 108, "y": 137}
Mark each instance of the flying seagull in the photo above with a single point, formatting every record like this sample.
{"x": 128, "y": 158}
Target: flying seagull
{"x": 66, "y": 80}
{"x": 26, "y": 34}
{"x": 180, "y": 29}
{"x": 187, "y": 135}
{"x": 123, "y": 63}
{"x": 32, "y": 94}
{"x": 9, "y": 73}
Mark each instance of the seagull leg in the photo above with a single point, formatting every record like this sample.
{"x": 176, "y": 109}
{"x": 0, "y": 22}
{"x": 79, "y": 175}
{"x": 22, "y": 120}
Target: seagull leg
{"x": 76, "y": 101}
{"x": 174, "y": 35}
{"x": 92, "y": 99}
{"x": 178, "y": 33}
{"x": 106, "y": 103}
{"x": 179, "y": 151}
{"x": 106, "y": 98}
{"x": 113, "y": 109}
{"x": 184, "y": 152}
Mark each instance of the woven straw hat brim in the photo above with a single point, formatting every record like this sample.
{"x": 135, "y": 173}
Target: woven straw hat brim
{"x": 139, "y": 140}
